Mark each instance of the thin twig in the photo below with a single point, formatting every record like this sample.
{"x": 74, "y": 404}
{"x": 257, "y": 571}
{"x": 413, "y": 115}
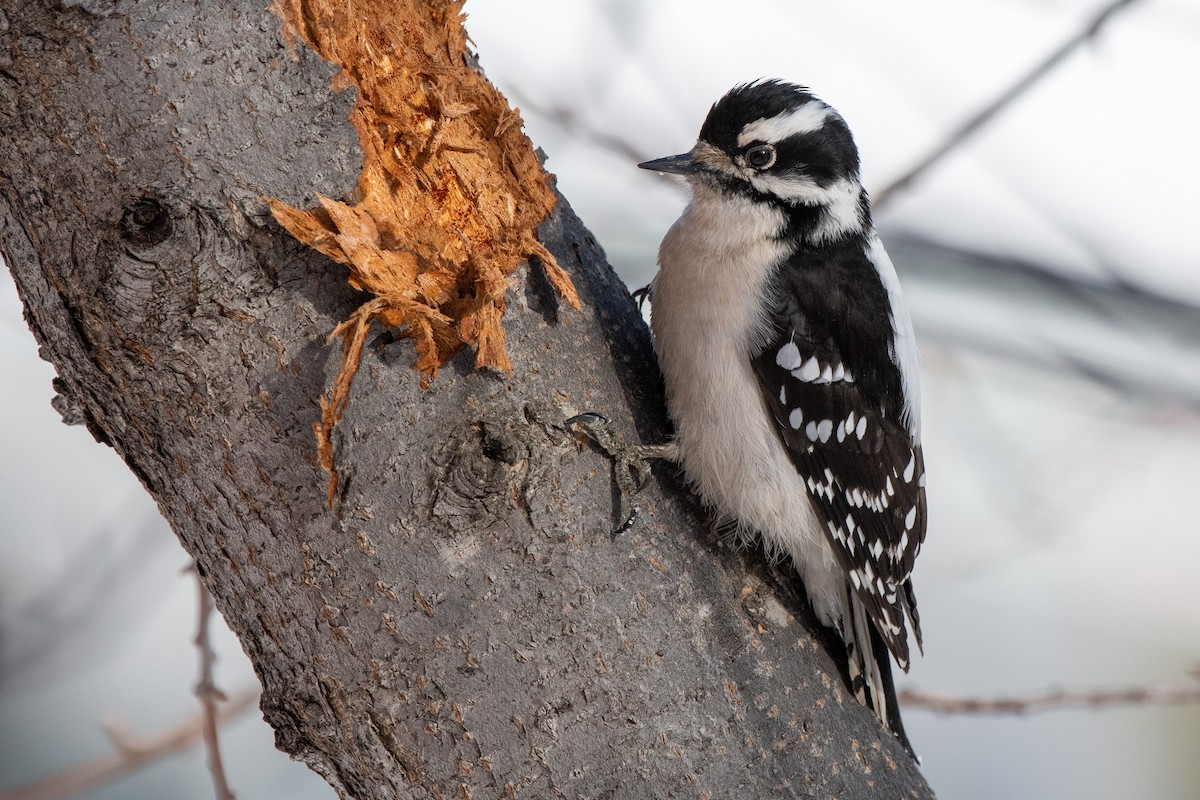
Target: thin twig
{"x": 983, "y": 116}
{"x": 571, "y": 122}
{"x": 131, "y": 754}
{"x": 1052, "y": 700}
{"x": 208, "y": 693}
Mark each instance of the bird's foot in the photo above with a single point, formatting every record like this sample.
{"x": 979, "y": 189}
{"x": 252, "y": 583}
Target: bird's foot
{"x": 631, "y": 462}
{"x": 640, "y": 296}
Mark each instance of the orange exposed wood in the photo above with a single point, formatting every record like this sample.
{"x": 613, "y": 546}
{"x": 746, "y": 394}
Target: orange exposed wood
{"x": 450, "y": 194}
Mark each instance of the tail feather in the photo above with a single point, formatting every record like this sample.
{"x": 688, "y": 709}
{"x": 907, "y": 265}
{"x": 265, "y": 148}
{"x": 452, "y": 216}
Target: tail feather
{"x": 910, "y": 600}
{"x": 870, "y": 668}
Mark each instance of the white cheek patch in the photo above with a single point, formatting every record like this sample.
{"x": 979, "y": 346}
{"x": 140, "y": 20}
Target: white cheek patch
{"x": 808, "y": 118}
{"x": 840, "y": 202}
{"x": 792, "y": 188}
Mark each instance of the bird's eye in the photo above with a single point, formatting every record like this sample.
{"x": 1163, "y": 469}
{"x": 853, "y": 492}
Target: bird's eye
{"x": 760, "y": 156}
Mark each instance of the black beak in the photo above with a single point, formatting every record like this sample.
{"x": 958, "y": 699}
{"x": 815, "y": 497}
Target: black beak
{"x": 682, "y": 164}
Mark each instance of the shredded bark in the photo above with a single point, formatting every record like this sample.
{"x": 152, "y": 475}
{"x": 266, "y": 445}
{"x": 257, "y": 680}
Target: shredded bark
{"x": 450, "y": 194}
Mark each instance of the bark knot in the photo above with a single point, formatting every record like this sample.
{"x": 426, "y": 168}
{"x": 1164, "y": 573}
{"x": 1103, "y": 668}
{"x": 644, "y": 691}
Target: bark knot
{"x": 483, "y": 471}
{"x": 146, "y": 222}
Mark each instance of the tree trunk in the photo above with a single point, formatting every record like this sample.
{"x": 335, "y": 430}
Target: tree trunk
{"x": 462, "y": 623}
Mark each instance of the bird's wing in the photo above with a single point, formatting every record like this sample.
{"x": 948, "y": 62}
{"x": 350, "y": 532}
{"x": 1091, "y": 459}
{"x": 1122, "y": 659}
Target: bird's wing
{"x": 863, "y": 469}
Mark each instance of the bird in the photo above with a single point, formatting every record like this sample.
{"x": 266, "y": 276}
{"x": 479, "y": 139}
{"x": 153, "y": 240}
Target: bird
{"x": 791, "y": 368}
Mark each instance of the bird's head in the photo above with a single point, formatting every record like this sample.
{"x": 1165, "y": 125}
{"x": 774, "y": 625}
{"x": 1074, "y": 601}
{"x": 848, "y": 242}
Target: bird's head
{"x": 776, "y": 143}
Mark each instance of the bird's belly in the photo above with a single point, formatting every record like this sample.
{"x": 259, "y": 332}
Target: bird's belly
{"x": 733, "y": 456}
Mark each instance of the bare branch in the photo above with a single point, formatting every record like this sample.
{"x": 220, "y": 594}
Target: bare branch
{"x": 569, "y": 120}
{"x": 207, "y": 691}
{"x": 1053, "y": 700}
{"x": 1006, "y": 98}
{"x": 132, "y": 754}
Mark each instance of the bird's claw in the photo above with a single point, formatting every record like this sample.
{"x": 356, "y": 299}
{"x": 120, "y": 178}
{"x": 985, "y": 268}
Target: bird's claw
{"x": 640, "y": 296}
{"x": 631, "y": 465}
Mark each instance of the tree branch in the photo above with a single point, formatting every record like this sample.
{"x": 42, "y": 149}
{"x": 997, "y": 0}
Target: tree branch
{"x": 207, "y": 692}
{"x": 1005, "y": 99}
{"x": 132, "y": 753}
{"x": 1052, "y": 700}
{"x": 569, "y": 120}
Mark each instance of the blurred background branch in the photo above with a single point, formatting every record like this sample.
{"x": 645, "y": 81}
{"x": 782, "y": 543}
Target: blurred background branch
{"x": 1053, "y": 700}
{"x": 207, "y": 692}
{"x": 571, "y": 121}
{"x": 982, "y": 117}
{"x": 132, "y": 753}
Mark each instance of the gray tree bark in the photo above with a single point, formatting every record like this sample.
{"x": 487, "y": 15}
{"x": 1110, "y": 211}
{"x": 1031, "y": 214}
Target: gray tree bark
{"x": 463, "y": 623}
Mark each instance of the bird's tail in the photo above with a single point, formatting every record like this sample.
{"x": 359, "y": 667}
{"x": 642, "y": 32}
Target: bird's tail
{"x": 870, "y": 667}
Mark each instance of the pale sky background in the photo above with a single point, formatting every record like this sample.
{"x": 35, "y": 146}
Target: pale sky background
{"x": 1063, "y": 542}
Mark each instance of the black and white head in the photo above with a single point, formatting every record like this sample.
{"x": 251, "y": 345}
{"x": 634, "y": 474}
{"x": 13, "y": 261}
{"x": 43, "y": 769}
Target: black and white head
{"x": 776, "y": 143}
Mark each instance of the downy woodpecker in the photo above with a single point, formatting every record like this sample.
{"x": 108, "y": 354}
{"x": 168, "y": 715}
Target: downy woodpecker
{"x": 791, "y": 368}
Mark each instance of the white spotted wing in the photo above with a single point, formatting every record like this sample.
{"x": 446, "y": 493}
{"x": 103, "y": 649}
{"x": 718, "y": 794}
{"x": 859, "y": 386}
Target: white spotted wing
{"x": 863, "y": 468}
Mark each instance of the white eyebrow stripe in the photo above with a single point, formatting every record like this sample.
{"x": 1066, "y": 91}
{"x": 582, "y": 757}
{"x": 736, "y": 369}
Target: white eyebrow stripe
{"x": 805, "y": 119}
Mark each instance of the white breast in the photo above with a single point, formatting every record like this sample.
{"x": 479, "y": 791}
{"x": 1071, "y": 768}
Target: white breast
{"x": 708, "y": 315}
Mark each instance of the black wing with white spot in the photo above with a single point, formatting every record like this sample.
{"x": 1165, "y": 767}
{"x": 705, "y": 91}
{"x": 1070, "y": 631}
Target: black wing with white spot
{"x": 863, "y": 468}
